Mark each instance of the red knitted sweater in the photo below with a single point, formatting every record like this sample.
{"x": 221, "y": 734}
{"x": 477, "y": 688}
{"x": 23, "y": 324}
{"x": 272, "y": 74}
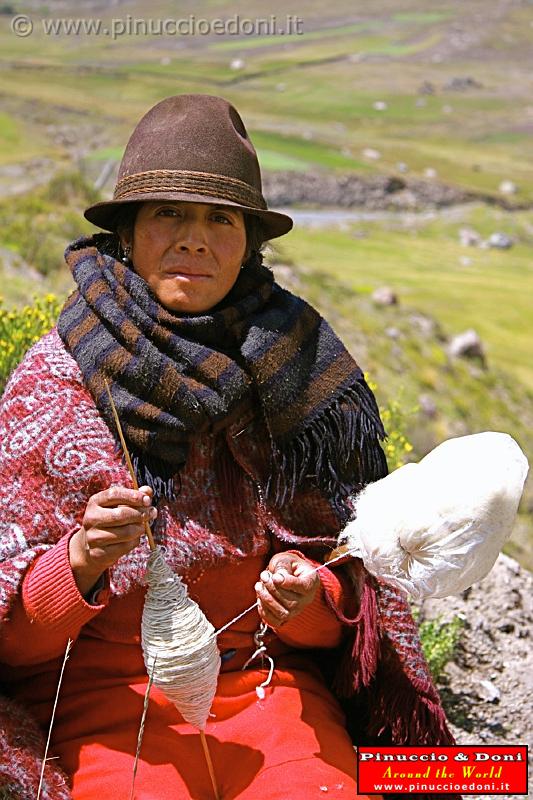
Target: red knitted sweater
{"x": 56, "y": 451}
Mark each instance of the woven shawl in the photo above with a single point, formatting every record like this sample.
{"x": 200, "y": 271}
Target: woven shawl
{"x": 174, "y": 375}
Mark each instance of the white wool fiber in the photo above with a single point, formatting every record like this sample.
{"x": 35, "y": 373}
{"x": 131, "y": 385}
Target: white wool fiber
{"x": 436, "y": 527}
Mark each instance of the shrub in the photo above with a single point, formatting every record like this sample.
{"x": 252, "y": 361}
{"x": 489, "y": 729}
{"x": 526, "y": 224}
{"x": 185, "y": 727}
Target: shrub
{"x": 396, "y": 446}
{"x": 439, "y": 640}
{"x": 37, "y": 225}
{"x": 20, "y": 328}
{"x": 70, "y": 188}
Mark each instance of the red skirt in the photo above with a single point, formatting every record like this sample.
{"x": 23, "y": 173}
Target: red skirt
{"x": 292, "y": 745}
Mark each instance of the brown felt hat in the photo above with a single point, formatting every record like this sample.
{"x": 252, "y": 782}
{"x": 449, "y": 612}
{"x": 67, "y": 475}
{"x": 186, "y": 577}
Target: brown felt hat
{"x": 191, "y": 147}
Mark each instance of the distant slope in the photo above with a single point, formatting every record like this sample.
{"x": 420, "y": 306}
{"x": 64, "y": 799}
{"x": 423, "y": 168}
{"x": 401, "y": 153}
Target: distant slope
{"x": 404, "y": 350}
{"x": 446, "y": 89}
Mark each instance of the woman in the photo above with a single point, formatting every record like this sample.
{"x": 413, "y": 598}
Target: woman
{"x": 249, "y": 425}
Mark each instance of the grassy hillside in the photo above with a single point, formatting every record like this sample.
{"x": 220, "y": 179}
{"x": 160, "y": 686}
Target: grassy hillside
{"x": 423, "y": 261}
{"x": 309, "y": 97}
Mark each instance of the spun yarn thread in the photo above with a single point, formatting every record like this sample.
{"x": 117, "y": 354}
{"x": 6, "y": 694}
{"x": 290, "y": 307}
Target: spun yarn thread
{"x": 176, "y": 631}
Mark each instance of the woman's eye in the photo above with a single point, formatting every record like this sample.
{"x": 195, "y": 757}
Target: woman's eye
{"x": 221, "y": 218}
{"x": 166, "y": 211}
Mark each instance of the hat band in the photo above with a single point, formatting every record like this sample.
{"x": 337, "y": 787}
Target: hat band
{"x": 178, "y": 180}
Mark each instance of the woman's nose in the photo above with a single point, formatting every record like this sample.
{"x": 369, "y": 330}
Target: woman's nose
{"x": 191, "y": 236}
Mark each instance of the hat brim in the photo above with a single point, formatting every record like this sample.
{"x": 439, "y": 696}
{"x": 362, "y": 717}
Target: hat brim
{"x": 104, "y": 214}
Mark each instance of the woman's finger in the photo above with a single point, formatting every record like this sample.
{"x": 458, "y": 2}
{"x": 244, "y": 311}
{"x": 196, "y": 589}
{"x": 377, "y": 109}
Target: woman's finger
{"x": 287, "y": 562}
{"x": 271, "y": 604}
{"x": 296, "y": 584}
{"x": 122, "y": 495}
{"x": 97, "y": 537}
{"x": 293, "y": 574}
{"x": 107, "y": 517}
{"x": 268, "y": 617}
{"x": 283, "y": 596}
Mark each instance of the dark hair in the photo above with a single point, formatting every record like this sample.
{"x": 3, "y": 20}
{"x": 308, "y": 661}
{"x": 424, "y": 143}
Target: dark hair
{"x": 124, "y": 220}
{"x": 126, "y": 216}
{"x": 255, "y": 234}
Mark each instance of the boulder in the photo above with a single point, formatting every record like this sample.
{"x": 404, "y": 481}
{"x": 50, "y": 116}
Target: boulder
{"x": 468, "y": 237}
{"x": 462, "y": 84}
{"x": 384, "y": 296}
{"x": 500, "y": 241}
{"x": 507, "y": 187}
{"x": 467, "y": 345}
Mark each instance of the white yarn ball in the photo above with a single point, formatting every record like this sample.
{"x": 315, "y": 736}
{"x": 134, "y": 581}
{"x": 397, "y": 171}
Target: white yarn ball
{"x": 436, "y": 527}
{"x": 177, "y": 634}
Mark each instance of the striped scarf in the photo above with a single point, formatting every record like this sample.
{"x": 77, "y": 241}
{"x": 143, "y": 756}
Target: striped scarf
{"x": 174, "y": 375}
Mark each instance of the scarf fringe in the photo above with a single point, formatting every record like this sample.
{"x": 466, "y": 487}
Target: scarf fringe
{"x": 401, "y": 708}
{"x": 413, "y": 718}
{"x": 362, "y": 652}
{"x": 153, "y": 472}
{"x": 339, "y": 450}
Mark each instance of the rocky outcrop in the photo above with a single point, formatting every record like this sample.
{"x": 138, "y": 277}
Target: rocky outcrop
{"x": 488, "y": 686}
{"x": 350, "y": 191}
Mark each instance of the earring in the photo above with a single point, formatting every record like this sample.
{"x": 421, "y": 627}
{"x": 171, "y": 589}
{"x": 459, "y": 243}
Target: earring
{"x": 126, "y": 257}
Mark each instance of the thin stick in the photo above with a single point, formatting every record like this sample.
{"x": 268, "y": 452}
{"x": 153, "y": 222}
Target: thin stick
{"x": 209, "y": 765}
{"x": 141, "y": 727}
{"x": 128, "y": 461}
{"x": 43, "y": 765}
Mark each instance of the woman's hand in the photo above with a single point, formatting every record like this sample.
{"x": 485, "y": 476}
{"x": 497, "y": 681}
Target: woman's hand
{"x": 112, "y": 526}
{"x": 285, "y": 588}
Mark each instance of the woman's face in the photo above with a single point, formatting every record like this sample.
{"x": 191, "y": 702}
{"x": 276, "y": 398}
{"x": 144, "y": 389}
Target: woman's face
{"x": 190, "y": 254}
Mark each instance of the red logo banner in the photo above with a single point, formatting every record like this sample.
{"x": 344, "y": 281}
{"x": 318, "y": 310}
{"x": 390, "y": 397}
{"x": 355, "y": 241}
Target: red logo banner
{"x": 470, "y": 769}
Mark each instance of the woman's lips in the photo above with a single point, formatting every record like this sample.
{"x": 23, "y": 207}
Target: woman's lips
{"x": 190, "y": 276}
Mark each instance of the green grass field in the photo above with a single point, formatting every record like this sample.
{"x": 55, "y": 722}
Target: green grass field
{"x": 422, "y": 263}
